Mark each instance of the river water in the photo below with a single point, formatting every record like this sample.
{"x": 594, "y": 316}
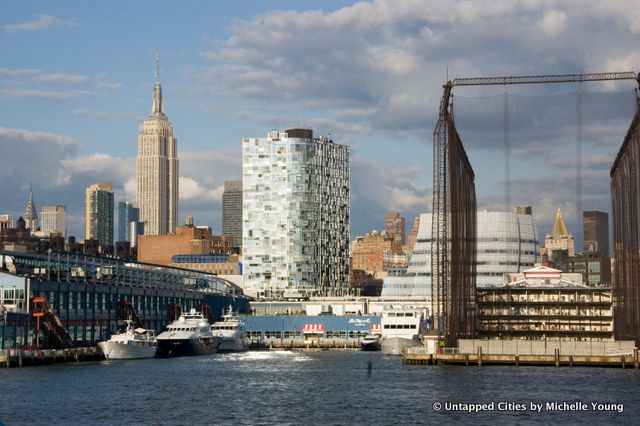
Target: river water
{"x": 312, "y": 387}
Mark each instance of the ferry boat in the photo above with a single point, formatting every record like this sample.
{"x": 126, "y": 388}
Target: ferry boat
{"x": 233, "y": 337}
{"x": 188, "y": 335}
{"x": 130, "y": 343}
{"x": 401, "y": 329}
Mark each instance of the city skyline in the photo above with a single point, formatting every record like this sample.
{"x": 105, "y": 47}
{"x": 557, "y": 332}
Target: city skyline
{"x": 73, "y": 92}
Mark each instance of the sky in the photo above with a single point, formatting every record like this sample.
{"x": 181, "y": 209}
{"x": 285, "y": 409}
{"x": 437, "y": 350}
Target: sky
{"x": 76, "y": 81}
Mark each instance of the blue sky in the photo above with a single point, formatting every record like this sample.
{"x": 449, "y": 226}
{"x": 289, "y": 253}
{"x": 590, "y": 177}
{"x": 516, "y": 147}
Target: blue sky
{"x": 76, "y": 80}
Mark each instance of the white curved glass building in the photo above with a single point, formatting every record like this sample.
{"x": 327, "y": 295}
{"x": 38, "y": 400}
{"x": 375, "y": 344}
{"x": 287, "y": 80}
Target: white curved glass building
{"x": 507, "y": 242}
{"x": 415, "y": 281}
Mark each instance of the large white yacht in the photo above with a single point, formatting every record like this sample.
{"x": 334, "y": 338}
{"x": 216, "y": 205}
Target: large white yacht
{"x": 401, "y": 328}
{"x": 188, "y": 335}
{"x": 231, "y": 332}
{"x": 130, "y": 343}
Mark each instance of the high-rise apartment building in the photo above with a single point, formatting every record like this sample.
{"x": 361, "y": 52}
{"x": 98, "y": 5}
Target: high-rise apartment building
{"x": 53, "y": 219}
{"x": 99, "y": 213}
{"x": 31, "y": 214}
{"x": 596, "y": 231}
{"x": 127, "y": 213}
{"x": 232, "y": 211}
{"x": 395, "y": 227}
{"x": 157, "y": 169}
{"x": 295, "y": 214}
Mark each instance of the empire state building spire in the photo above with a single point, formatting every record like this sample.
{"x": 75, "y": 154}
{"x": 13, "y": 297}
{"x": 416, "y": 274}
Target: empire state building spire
{"x": 157, "y": 168}
{"x": 156, "y": 107}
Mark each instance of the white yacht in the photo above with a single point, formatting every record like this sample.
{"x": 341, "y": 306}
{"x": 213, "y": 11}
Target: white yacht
{"x": 188, "y": 335}
{"x": 401, "y": 328}
{"x": 131, "y": 343}
{"x": 231, "y": 332}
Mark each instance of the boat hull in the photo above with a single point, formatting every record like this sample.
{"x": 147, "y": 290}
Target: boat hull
{"x": 113, "y": 350}
{"x": 186, "y": 347}
{"x": 233, "y": 344}
{"x": 397, "y": 345}
{"x": 370, "y": 346}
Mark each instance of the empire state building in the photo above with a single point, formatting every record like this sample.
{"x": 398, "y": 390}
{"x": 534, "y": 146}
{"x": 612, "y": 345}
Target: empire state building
{"x": 157, "y": 169}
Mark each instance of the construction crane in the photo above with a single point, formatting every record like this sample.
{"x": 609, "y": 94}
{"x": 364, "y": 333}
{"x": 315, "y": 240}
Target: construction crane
{"x": 442, "y": 189}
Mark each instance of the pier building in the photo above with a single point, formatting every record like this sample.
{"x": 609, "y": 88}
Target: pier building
{"x": 543, "y": 303}
{"x": 88, "y": 294}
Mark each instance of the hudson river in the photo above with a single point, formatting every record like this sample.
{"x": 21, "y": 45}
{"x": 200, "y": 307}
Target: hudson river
{"x": 324, "y": 387}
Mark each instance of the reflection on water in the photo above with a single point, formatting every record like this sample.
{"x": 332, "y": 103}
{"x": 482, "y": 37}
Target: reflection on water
{"x": 291, "y": 387}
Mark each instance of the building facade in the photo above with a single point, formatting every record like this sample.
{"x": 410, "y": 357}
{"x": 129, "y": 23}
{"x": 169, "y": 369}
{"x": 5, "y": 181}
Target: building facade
{"x": 415, "y": 281}
{"x": 295, "y": 214}
{"x": 6, "y": 221}
{"x": 506, "y": 242}
{"x": 157, "y": 170}
{"x": 53, "y": 219}
{"x": 559, "y": 240}
{"x": 99, "y": 213}
{"x": 594, "y": 268}
{"x": 596, "y": 231}
{"x": 232, "y": 211}
{"x": 544, "y": 304}
{"x": 375, "y": 252}
{"x": 127, "y": 213}
{"x": 185, "y": 240}
{"x": 395, "y": 227}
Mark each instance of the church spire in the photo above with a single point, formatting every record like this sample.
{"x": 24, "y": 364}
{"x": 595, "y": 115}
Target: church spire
{"x": 156, "y": 107}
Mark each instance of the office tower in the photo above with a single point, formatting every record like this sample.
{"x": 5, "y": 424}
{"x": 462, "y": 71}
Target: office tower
{"x": 232, "y": 211}
{"x": 99, "y": 213}
{"x": 596, "y": 231}
{"x": 295, "y": 214}
{"x": 53, "y": 219}
{"x": 559, "y": 243}
{"x": 157, "y": 169}
{"x": 31, "y": 214}
{"x": 126, "y": 213}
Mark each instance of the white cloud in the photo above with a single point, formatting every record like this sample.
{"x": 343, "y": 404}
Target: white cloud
{"x": 389, "y": 57}
{"x": 103, "y": 115}
{"x": 63, "y": 78}
{"x": 18, "y": 73}
{"x": 108, "y": 85}
{"x": 45, "y": 95}
{"x": 41, "y": 22}
{"x": 553, "y": 22}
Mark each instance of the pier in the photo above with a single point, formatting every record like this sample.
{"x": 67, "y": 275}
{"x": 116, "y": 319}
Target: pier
{"x": 26, "y": 357}
{"x": 543, "y": 353}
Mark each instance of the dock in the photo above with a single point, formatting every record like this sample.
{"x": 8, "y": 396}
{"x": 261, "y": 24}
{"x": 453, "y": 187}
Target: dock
{"x": 31, "y": 357}
{"x": 420, "y": 356}
{"x": 323, "y": 343}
